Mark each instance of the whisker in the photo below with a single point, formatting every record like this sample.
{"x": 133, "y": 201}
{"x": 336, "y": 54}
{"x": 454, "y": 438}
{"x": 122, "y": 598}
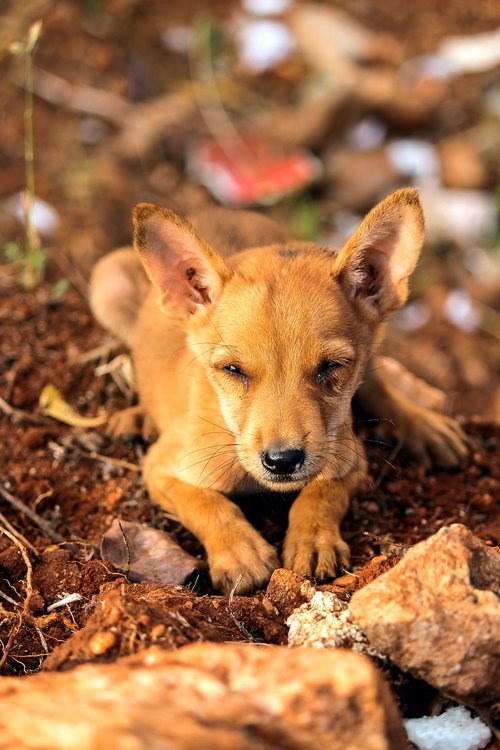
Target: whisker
{"x": 204, "y": 479}
{"x": 206, "y": 460}
{"x": 205, "y": 447}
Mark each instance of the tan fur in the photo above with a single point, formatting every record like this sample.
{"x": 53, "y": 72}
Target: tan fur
{"x": 231, "y": 346}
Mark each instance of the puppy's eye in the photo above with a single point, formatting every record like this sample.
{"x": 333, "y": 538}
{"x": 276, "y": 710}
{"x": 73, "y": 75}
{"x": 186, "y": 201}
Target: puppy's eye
{"x": 236, "y": 372}
{"x": 325, "y": 368}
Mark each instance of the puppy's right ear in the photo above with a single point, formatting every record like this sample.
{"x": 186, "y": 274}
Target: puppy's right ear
{"x": 188, "y": 274}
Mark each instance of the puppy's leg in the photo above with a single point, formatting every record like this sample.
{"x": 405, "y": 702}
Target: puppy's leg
{"x": 417, "y": 390}
{"x": 234, "y": 548}
{"x": 118, "y": 287}
{"x": 313, "y": 543}
{"x": 429, "y": 436}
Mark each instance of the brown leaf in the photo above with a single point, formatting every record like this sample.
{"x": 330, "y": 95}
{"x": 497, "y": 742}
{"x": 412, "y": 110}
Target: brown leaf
{"x": 146, "y": 555}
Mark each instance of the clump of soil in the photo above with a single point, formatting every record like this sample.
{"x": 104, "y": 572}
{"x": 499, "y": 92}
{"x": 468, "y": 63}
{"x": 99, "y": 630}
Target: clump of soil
{"x": 126, "y": 618}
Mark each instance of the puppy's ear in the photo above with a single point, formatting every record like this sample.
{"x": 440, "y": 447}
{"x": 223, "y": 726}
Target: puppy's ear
{"x": 376, "y": 262}
{"x": 188, "y": 274}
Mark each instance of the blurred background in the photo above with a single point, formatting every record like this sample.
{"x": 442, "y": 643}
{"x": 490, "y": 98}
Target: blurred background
{"x": 311, "y": 112}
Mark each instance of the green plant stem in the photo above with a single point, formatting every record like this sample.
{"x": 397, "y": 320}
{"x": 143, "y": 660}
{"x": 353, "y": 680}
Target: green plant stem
{"x": 31, "y": 276}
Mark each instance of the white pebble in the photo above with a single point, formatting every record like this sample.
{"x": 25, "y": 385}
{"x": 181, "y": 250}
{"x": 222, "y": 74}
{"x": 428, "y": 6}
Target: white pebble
{"x": 455, "y": 728}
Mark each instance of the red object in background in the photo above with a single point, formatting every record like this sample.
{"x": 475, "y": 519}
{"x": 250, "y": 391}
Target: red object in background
{"x": 246, "y": 168}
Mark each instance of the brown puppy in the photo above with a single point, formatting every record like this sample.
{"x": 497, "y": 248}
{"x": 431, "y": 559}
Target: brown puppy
{"x": 248, "y": 350}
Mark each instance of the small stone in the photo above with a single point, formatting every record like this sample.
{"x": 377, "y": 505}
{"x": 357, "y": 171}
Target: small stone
{"x": 347, "y": 581}
{"x": 102, "y": 642}
{"x": 286, "y": 591}
{"x": 269, "y": 606}
{"x": 455, "y": 728}
{"x": 157, "y": 631}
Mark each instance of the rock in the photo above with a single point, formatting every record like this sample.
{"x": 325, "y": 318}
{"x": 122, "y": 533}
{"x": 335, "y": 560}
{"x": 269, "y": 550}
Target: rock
{"x": 465, "y": 217}
{"x": 471, "y": 54}
{"x": 308, "y": 123}
{"x": 324, "y": 622}
{"x": 360, "y": 177}
{"x": 461, "y": 166}
{"x": 454, "y": 728}
{"x": 101, "y": 642}
{"x": 286, "y": 591}
{"x": 436, "y": 614}
{"x": 206, "y": 696}
{"x": 262, "y": 44}
{"x": 416, "y": 159}
{"x": 329, "y": 38}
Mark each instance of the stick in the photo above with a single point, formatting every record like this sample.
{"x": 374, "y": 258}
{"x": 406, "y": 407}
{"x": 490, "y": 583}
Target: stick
{"x": 87, "y": 99}
{"x": 110, "y": 460}
{"x": 17, "y": 533}
{"x": 23, "y": 508}
{"x": 238, "y": 624}
{"x": 18, "y": 415}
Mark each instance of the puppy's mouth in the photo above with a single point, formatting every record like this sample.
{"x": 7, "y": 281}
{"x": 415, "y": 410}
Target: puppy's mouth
{"x": 286, "y": 482}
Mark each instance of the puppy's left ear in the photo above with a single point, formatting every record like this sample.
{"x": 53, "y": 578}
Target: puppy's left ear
{"x": 376, "y": 262}
{"x": 187, "y": 273}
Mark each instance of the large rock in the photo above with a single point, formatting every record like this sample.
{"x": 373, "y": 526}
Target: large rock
{"x": 210, "y": 696}
{"x": 437, "y": 615}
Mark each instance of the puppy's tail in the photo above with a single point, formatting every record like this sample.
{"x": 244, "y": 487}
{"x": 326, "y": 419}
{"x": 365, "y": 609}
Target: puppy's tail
{"x": 118, "y": 287}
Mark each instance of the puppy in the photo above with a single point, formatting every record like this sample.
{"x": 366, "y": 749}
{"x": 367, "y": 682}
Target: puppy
{"x": 248, "y": 348}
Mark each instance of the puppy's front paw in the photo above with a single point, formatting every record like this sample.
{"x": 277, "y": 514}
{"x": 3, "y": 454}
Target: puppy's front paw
{"x": 243, "y": 553}
{"x": 319, "y": 552}
{"x": 431, "y": 438}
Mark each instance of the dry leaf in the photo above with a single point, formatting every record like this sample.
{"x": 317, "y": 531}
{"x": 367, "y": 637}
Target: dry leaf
{"x": 147, "y": 555}
{"x": 53, "y": 405}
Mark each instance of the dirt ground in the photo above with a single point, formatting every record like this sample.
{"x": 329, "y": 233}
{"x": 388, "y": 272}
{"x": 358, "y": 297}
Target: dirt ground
{"x": 78, "y": 481}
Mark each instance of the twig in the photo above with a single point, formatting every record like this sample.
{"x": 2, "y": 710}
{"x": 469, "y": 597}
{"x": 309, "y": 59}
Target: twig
{"x": 110, "y": 460}
{"x": 18, "y": 415}
{"x": 68, "y": 599}
{"x": 11, "y": 379}
{"x": 23, "y": 508}
{"x": 238, "y": 624}
{"x": 98, "y": 352}
{"x": 87, "y": 99}
{"x": 29, "y": 592}
{"x": 9, "y": 599}
{"x": 42, "y": 641}
{"x": 71, "y": 271}
{"x": 42, "y": 496}
{"x": 127, "y": 546}
{"x": 385, "y": 540}
{"x": 17, "y": 533}
{"x": 385, "y": 469}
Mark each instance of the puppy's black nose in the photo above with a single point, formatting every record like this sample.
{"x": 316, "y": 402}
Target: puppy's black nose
{"x": 283, "y": 461}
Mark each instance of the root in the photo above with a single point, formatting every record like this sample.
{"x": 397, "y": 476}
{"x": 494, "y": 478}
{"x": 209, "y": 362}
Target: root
{"x": 25, "y": 612}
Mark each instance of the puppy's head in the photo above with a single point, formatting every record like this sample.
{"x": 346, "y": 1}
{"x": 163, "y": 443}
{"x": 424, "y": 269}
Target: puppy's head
{"x": 284, "y": 332}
